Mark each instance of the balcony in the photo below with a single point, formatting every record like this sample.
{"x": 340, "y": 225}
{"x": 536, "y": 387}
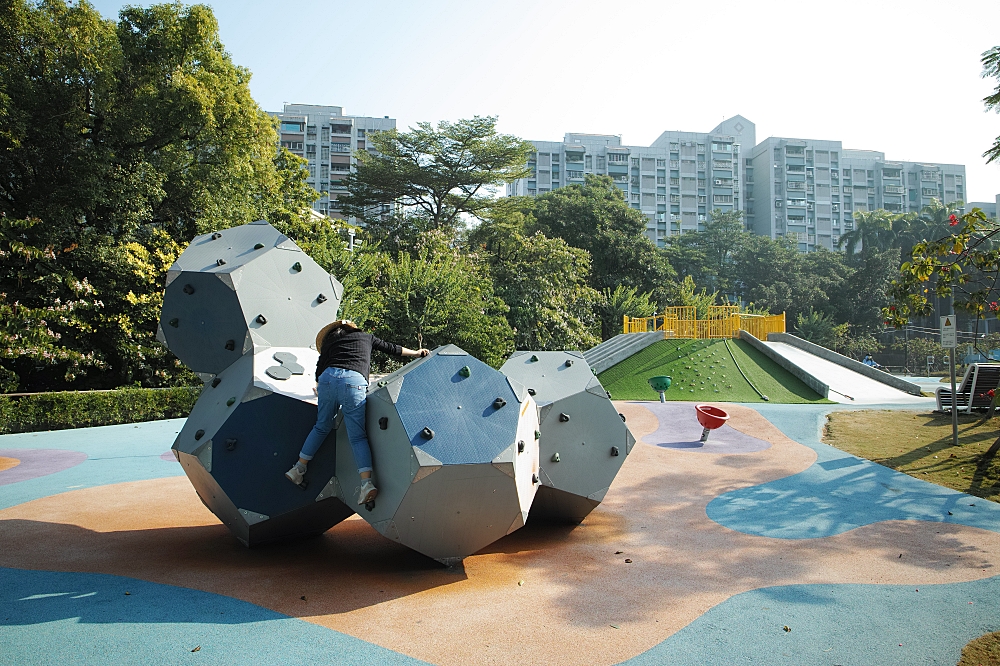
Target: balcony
{"x": 893, "y": 189}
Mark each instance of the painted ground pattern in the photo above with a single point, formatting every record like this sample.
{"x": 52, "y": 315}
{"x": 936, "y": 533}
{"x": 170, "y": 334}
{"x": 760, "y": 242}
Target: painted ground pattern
{"x": 109, "y": 557}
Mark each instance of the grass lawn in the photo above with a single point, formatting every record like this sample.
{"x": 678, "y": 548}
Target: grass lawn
{"x": 983, "y": 651}
{"x": 919, "y": 444}
{"x": 704, "y": 370}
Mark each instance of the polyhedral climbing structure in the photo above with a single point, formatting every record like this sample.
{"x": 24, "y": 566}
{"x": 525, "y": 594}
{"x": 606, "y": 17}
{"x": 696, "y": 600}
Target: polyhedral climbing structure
{"x": 462, "y": 452}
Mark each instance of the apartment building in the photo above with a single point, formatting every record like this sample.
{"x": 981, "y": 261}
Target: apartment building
{"x": 675, "y": 182}
{"x": 810, "y": 189}
{"x": 988, "y": 207}
{"x": 327, "y": 139}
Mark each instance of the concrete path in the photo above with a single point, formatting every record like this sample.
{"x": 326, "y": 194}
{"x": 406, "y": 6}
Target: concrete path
{"x": 846, "y": 384}
{"x": 765, "y": 546}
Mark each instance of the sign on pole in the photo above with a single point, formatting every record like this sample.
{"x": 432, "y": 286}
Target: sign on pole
{"x": 949, "y": 337}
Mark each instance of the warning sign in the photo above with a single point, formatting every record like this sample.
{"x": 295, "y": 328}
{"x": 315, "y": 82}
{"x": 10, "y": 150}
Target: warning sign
{"x": 949, "y": 337}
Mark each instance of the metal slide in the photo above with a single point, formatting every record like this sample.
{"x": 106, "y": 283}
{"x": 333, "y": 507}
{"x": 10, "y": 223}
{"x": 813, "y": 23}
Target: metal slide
{"x": 844, "y": 383}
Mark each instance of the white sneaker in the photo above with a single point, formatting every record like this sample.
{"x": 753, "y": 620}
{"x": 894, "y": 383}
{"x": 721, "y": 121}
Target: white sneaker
{"x": 368, "y": 492}
{"x": 295, "y": 475}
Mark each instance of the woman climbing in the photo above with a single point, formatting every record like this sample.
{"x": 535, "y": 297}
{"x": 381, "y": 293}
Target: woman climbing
{"x": 345, "y": 354}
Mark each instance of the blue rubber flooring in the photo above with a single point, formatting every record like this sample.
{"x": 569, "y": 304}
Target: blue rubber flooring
{"x": 839, "y": 492}
{"x": 59, "y": 618}
{"x": 115, "y": 454}
{"x": 884, "y": 625}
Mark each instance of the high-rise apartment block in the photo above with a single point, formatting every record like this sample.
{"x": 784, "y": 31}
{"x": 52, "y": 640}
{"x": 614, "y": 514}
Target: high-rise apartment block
{"x": 675, "y": 182}
{"x": 328, "y": 140}
{"x": 806, "y": 189}
{"x": 989, "y": 207}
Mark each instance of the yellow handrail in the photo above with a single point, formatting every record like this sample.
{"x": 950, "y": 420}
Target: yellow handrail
{"x": 724, "y": 321}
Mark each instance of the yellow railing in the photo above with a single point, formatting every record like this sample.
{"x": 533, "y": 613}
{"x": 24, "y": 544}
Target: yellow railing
{"x": 724, "y": 321}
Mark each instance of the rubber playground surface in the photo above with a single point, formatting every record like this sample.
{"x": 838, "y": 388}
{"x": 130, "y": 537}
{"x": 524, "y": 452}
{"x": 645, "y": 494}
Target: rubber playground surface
{"x": 761, "y": 546}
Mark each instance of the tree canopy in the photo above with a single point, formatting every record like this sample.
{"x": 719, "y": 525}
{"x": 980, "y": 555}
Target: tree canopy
{"x": 438, "y": 173}
{"x": 120, "y": 141}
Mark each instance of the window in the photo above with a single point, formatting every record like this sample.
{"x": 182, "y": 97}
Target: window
{"x": 325, "y": 134}
{"x": 361, "y": 134}
{"x": 600, "y": 161}
{"x": 555, "y": 158}
{"x": 661, "y": 180}
{"x": 291, "y": 126}
{"x": 635, "y": 161}
{"x": 340, "y": 128}
{"x": 311, "y": 150}
{"x": 292, "y": 145}
{"x": 722, "y": 147}
{"x": 324, "y": 171}
{"x": 326, "y": 153}
{"x": 340, "y": 147}
{"x": 311, "y": 131}
{"x": 574, "y": 175}
{"x": 661, "y": 163}
{"x": 588, "y": 162}
{"x": 618, "y": 157}
{"x": 312, "y": 169}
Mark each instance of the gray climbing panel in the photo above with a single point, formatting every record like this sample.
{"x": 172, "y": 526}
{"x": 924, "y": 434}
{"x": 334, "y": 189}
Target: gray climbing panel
{"x": 241, "y": 290}
{"x": 584, "y": 440}
{"x": 244, "y": 432}
{"x": 455, "y": 455}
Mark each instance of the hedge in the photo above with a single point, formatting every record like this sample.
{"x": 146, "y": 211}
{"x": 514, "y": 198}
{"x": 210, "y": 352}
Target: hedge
{"x": 73, "y": 409}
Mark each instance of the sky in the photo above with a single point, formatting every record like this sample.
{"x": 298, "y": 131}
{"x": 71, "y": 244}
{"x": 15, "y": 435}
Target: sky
{"x": 901, "y": 77}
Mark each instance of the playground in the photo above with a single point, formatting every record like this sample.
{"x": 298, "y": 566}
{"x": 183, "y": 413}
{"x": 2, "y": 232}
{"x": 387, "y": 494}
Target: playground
{"x": 762, "y": 546}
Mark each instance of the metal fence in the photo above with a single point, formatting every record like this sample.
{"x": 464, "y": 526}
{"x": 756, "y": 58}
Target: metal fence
{"x": 723, "y": 321}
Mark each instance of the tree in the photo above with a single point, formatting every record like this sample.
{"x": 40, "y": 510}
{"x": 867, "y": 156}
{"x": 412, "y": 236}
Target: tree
{"x": 623, "y": 302}
{"x": 707, "y": 256}
{"x": 991, "y": 68}
{"x": 816, "y": 327}
{"x": 876, "y": 230}
{"x": 963, "y": 266}
{"x": 542, "y": 280}
{"x": 119, "y": 141}
{"x": 594, "y": 217}
{"x": 437, "y": 299}
{"x": 439, "y": 173}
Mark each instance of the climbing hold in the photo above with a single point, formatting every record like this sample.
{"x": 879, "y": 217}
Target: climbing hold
{"x": 278, "y": 372}
{"x": 564, "y": 417}
{"x": 520, "y": 446}
{"x": 465, "y": 371}
{"x": 614, "y": 451}
{"x": 188, "y": 289}
{"x": 230, "y": 444}
{"x": 534, "y": 478}
{"x": 173, "y": 322}
{"x": 220, "y": 262}
{"x": 498, "y": 403}
{"x": 623, "y": 417}
{"x": 538, "y": 434}
{"x": 230, "y": 402}
{"x": 609, "y": 394}
{"x": 297, "y": 267}
{"x": 216, "y": 382}
{"x": 569, "y": 362}
{"x": 534, "y": 358}
{"x": 216, "y": 236}
{"x": 230, "y": 345}
{"x": 199, "y": 434}
{"x": 383, "y": 423}
{"x": 427, "y": 433}
{"x": 261, "y": 319}
{"x": 321, "y": 299}
{"x": 555, "y": 457}
{"x": 258, "y": 246}
{"x": 531, "y": 391}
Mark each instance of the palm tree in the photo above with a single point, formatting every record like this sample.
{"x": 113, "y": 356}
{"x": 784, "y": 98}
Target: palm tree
{"x": 876, "y": 230}
{"x": 934, "y": 221}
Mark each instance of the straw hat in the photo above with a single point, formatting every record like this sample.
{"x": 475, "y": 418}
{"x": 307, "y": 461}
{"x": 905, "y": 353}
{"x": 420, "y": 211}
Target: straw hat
{"x": 329, "y": 327}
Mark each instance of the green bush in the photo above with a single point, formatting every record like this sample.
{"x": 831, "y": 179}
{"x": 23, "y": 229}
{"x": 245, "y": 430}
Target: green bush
{"x": 72, "y": 409}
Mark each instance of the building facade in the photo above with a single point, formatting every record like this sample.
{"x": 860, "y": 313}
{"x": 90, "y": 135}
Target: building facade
{"x": 806, "y": 189}
{"x": 988, "y": 207}
{"x": 328, "y": 139}
{"x": 675, "y": 182}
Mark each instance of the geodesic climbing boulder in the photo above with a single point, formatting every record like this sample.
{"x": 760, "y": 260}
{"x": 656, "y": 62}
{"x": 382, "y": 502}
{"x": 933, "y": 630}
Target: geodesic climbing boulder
{"x": 244, "y": 432}
{"x": 584, "y": 440}
{"x": 243, "y": 289}
{"x": 455, "y": 455}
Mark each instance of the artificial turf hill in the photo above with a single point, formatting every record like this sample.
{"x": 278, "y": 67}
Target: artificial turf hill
{"x": 704, "y": 370}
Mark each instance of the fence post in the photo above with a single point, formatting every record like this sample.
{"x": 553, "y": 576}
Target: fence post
{"x": 624, "y": 323}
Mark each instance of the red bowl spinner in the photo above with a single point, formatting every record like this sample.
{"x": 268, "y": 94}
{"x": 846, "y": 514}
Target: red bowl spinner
{"x": 711, "y": 417}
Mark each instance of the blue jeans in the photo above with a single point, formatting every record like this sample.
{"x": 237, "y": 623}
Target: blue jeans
{"x": 344, "y": 390}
